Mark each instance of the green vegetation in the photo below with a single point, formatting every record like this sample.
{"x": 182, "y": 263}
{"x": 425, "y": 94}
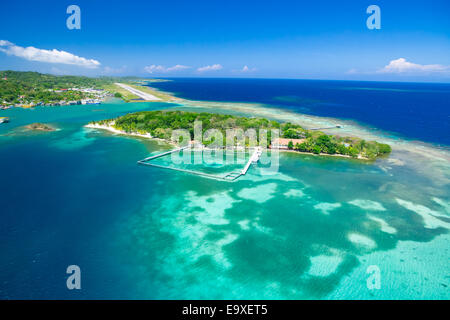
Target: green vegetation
{"x": 290, "y": 145}
{"x": 125, "y": 95}
{"x": 318, "y": 142}
{"x": 350, "y": 146}
{"x": 48, "y": 81}
{"x": 31, "y": 88}
{"x": 160, "y": 124}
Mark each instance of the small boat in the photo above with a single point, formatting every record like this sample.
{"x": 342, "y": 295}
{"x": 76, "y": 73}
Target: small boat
{"x": 4, "y": 119}
{"x": 256, "y": 155}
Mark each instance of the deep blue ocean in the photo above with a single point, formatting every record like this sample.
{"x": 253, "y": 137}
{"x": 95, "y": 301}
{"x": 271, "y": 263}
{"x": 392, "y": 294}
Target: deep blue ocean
{"x": 76, "y": 196}
{"x": 417, "y": 111}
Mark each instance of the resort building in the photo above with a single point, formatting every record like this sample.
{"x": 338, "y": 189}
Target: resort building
{"x": 282, "y": 143}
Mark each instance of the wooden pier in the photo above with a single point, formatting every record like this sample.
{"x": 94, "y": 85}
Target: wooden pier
{"x": 231, "y": 176}
{"x": 198, "y": 173}
{"x": 336, "y": 126}
{"x": 253, "y": 159}
{"x": 161, "y": 154}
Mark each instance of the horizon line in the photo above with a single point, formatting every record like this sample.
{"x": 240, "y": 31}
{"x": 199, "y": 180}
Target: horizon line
{"x": 233, "y": 77}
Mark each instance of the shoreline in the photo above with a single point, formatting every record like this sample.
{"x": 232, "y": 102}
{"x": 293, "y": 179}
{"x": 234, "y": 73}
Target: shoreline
{"x": 114, "y": 130}
{"x": 131, "y": 134}
{"x": 326, "y": 155}
{"x": 350, "y": 127}
{"x": 148, "y": 136}
{"x": 415, "y": 154}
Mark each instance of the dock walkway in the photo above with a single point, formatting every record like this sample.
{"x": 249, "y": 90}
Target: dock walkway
{"x": 336, "y": 126}
{"x": 253, "y": 159}
{"x": 231, "y": 176}
{"x": 162, "y": 154}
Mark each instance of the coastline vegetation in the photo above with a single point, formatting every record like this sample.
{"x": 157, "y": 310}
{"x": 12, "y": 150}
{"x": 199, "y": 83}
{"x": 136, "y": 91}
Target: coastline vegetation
{"x": 160, "y": 124}
{"x": 33, "y": 88}
{"x": 29, "y": 89}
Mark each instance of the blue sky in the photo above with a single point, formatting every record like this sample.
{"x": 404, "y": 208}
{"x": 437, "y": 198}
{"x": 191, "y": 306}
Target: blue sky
{"x": 215, "y": 38}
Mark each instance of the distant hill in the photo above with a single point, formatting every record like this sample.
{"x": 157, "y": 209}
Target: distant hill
{"x": 47, "y": 81}
{"x": 17, "y": 86}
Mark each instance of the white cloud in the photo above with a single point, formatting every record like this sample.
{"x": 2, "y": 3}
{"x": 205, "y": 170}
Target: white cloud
{"x": 247, "y": 69}
{"x": 352, "y": 71}
{"x": 49, "y": 56}
{"x": 154, "y": 68}
{"x": 244, "y": 69}
{"x": 177, "y": 67}
{"x": 214, "y": 67}
{"x": 402, "y": 66}
{"x": 5, "y": 43}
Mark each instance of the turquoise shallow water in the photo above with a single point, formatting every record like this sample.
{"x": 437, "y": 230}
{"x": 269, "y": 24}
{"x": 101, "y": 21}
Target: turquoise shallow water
{"x": 308, "y": 230}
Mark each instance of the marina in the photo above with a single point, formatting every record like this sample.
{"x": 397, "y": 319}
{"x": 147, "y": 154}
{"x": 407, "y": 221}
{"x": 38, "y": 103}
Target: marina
{"x": 309, "y": 200}
{"x": 231, "y": 157}
{"x": 230, "y": 176}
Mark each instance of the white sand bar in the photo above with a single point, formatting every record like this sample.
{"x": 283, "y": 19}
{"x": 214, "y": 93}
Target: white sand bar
{"x": 139, "y": 93}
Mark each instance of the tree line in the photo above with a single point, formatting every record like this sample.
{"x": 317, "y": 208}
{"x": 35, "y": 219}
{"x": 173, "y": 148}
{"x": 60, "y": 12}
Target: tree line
{"x": 160, "y": 124}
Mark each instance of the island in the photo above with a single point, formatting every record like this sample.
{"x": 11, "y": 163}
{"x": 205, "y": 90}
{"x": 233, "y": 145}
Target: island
{"x": 32, "y": 89}
{"x": 293, "y": 137}
{"x": 40, "y": 127}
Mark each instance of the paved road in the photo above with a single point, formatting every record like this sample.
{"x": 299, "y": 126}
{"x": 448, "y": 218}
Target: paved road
{"x": 139, "y": 93}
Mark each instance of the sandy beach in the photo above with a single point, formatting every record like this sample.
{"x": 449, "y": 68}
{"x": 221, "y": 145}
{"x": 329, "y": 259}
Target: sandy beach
{"x": 110, "y": 128}
{"x": 114, "y": 130}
